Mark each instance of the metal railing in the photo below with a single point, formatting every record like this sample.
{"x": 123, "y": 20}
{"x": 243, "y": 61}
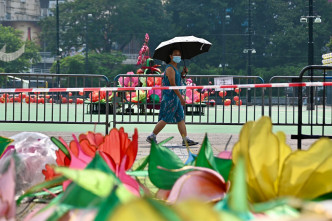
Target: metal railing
{"x": 211, "y": 110}
{"x": 51, "y": 107}
{"x": 317, "y": 116}
{"x": 283, "y": 105}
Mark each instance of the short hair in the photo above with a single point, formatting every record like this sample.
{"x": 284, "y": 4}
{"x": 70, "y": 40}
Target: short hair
{"x": 171, "y": 50}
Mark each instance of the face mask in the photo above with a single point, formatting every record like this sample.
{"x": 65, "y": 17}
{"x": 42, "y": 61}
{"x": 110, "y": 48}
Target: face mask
{"x": 177, "y": 59}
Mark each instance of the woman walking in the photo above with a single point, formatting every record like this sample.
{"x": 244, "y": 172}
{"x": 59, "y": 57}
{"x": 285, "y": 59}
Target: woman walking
{"x": 171, "y": 108}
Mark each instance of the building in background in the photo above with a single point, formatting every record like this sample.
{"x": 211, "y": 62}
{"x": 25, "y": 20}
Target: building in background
{"x": 23, "y": 15}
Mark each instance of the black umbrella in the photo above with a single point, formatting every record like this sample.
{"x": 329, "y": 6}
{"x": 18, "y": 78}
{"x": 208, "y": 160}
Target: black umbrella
{"x": 190, "y": 46}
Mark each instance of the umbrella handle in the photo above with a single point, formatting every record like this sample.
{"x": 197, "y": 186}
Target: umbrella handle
{"x": 184, "y": 67}
{"x": 185, "y": 75}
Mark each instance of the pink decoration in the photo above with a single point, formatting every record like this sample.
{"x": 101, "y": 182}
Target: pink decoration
{"x": 225, "y": 154}
{"x": 202, "y": 183}
{"x": 7, "y": 193}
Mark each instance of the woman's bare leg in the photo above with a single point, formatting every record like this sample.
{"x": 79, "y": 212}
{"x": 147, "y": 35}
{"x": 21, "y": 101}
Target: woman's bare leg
{"x": 182, "y": 128}
{"x": 159, "y": 126}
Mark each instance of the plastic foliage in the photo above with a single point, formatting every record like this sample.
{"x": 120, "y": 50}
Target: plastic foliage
{"x": 92, "y": 188}
{"x": 162, "y": 157}
{"x": 4, "y": 142}
{"x": 273, "y": 170}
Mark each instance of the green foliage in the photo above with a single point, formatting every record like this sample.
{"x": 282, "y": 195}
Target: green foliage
{"x": 329, "y": 45}
{"x": 111, "y": 22}
{"x": 104, "y": 64}
{"x": 12, "y": 39}
{"x": 279, "y": 38}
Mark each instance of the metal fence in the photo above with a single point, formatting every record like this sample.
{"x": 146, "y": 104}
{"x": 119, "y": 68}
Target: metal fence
{"x": 307, "y": 108}
{"x": 213, "y": 109}
{"x": 51, "y": 107}
{"x": 319, "y": 112}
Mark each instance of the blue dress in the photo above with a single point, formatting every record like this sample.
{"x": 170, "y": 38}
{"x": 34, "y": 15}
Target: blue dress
{"x": 171, "y": 110}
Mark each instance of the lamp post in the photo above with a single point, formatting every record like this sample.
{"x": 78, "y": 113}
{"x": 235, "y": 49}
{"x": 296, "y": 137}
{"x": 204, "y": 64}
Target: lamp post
{"x": 249, "y": 50}
{"x": 57, "y": 41}
{"x": 87, "y": 43}
{"x": 225, "y": 20}
{"x": 311, "y": 19}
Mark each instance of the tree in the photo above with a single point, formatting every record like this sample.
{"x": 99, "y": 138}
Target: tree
{"x": 279, "y": 38}
{"x": 12, "y": 39}
{"x": 108, "y": 64}
{"x": 113, "y": 24}
{"x": 329, "y": 45}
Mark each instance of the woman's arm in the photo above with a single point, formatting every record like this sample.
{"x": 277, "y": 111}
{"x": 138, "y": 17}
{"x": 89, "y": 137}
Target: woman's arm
{"x": 170, "y": 73}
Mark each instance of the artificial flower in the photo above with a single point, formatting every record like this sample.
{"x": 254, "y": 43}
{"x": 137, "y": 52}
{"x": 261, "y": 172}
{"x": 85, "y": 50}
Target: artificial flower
{"x": 128, "y": 81}
{"x": 273, "y": 170}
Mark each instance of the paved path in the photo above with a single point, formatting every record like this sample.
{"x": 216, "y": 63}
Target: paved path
{"x": 218, "y": 141}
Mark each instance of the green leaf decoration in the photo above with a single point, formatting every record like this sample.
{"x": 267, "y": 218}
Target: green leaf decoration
{"x": 143, "y": 164}
{"x": 39, "y": 187}
{"x": 163, "y": 157}
{"x": 95, "y": 181}
{"x": 270, "y": 205}
{"x": 4, "y": 142}
{"x": 327, "y": 196}
{"x": 61, "y": 146}
{"x": 165, "y": 141}
{"x": 77, "y": 196}
{"x": 224, "y": 167}
{"x": 138, "y": 173}
{"x": 107, "y": 207}
{"x": 60, "y": 211}
{"x": 238, "y": 202}
{"x": 147, "y": 158}
{"x": 205, "y": 158}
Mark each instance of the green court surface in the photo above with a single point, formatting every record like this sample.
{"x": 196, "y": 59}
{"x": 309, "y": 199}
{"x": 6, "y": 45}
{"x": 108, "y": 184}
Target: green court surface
{"x": 14, "y": 113}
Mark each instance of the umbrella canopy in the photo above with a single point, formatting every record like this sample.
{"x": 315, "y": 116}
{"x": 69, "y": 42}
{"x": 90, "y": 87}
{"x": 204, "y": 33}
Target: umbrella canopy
{"x": 190, "y": 46}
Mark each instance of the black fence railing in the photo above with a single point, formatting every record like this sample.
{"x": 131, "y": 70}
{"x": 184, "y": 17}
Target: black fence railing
{"x": 51, "y": 107}
{"x": 228, "y": 106}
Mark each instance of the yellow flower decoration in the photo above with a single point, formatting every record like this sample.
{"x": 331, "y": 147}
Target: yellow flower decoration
{"x": 273, "y": 170}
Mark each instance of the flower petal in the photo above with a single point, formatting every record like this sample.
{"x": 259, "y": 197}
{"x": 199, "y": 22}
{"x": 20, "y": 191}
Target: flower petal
{"x": 7, "y": 191}
{"x": 131, "y": 151}
{"x": 127, "y": 181}
{"x": 111, "y": 146}
{"x": 88, "y": 148}
{"x": 307, "y": 174}
{"x": 202, "y": 183}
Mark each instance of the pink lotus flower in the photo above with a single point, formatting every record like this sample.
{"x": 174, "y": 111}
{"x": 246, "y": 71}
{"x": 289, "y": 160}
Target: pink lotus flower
{"x": 118, "y": 151}
{"x": 7, "y": 193}
{"x": 202, "y": 183}
{"x": 147, "y": 38}
{"x": 139, "y": 59}
{"x": 128, "y": 81}
{"x": 192, "y": 99}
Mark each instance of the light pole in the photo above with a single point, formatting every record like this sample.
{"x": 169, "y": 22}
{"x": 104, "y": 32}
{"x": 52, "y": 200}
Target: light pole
{"x": 225, "y": 20}
{"x": 87, "y": 43}
{"x": 249, "y": 50}
{"x": 57, "y": 41}
{"x": 311, "y": 19}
